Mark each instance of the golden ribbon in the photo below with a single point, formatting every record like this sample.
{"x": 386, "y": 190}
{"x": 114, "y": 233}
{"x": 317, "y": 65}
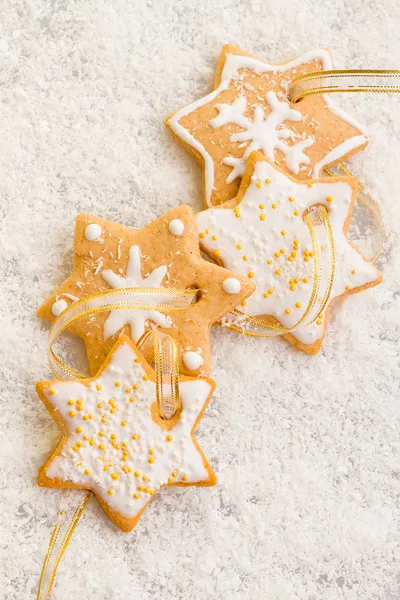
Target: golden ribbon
{"x": 318, "y": 224}
{"x": 345, "y": 81}
{"x": 160, "y": 349}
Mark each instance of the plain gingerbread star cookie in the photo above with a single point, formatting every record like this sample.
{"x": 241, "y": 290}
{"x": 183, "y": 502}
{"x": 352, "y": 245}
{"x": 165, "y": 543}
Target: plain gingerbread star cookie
{"x": 249, "y": 110}
{"x": 165, "y": 254}
{"x": 113, "y": 441}
{"x": 266, "y": 238}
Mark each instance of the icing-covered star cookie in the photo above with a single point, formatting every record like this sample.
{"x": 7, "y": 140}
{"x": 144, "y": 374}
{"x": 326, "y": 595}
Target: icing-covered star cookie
{"x": 249, "y": 110}
{"x": 266, "y": 239}
{"x": 114, "y": 441}
{"x": 164, "y": 254}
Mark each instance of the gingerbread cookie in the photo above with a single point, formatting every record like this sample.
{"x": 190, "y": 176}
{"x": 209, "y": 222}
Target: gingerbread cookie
{"x": 113, "y": 441}
{"x": 249, "y": 110}
{"x": 164, "y": 254}
{"x": 266, "y": 239}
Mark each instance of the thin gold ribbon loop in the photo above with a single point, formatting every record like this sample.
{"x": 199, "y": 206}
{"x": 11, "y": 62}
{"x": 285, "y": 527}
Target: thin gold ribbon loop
{"x": 345, "y": 81}
{"x": 161, "y": 351}
{"x": 68, "y": 519}
{"x": 318, "y": 224}
{"x": 161, "y": 299}
{"x": 365, "y": 198}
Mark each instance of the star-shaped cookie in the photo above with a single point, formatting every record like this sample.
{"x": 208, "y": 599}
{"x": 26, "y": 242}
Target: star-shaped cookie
{"x": 114, "y": 442}
{"x": 165, "y": 253}
{"x": 249, "y": 110}
{"x": 266, "y": 238}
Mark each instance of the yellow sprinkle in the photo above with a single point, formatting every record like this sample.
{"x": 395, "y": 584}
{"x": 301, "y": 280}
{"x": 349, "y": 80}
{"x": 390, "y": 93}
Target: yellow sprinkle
{"x": 92, "y": 442}
{"x": 140, "y": 488}
{"x": 239, "y": 246}
{"x": 152, "y": 492}
{"x": 110, "y": 492}
{"x": 72, "y": 413}
{"x": 184, "y": 477}
{"x": 105, "y": 468}
{"x": 277, "y": 272}
{"x": 100, "y": 405}
{"x": 101, "y": 446}
{"x": 283, "y": 232}
{"x": 305, "y": 279}
{"x": 291, "y": 199}
{"x": 319, "y": 322}
{"x": 309, "y": 185}
{"x": 86, "y": 438}
{"x": 269, "y": 262}
{"x": 87, "y": 471}
{"x": 214, "y": 237}
{"x": 296, "y": 213}
{"x": 243, "y": 303}
{"x": 174, "y": 473}
{"x": 150, "y": 460}
{"x": 270, "y": 291}
{"x": 347, "y": 287}
{"x": 217, "y": 252}
{"x": 295, "y": 280}
{"x": 237, "y": 214}
{"x": 277, "y": 254}
{"x": 117, "y": 383}
{"x": 136, "y": 386}
{"x": 136, "y": 496}
{"x": 74, "y": 448}
{"x": 329, "y": 199}
{"x": 292, "y": 287}
{"x": 265, "y": 295}
{"x": 104, "y": 419}
{"x": 98, "y": 387}
{"x": 151, "y": 451}
{"x": 262, "y": 217}
{"x": 202, "y": 235}
{"x": 52, "y": 391}
{"x": 169, "y": 438}
{"x": 137, "y": 360}
{"x": 287, "y": 311}
{"x": 112, "y": 410}
{"x": 79, "y": 407}
{"x": 267, "y": 181}
{"x": 259, "y": 184}
{"x": 298, "y": 305}
{"x": 123, "y": 423}
{"x": 101, "y": 433}
{"x": 261, "y": 206}
{"x": 131, "y": 399}
{"x": 134, "y": 436}
{"x": 145, "y": 377}
{"x": 114, "y": 476}
{"x": 113, "y": 436}
{"x": 78, "y": 430}
{"x": 250, "y": 274}
{"x": 70, "y": 402}
{"x": 137, "y": 473}
{"x": 274, "y": 206}
{"x": 245, "y": 257}
{"x": 353, "y": 272}
{"x": 127, "y": 390}
{"x": 282, "y": 250}
{"x": 79, "y": 444}
{"x": 145, "y": 478}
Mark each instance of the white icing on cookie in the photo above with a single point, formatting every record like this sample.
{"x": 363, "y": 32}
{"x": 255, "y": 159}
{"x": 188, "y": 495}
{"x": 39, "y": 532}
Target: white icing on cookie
{"x": 266, "y": 238}
{"x": 192, "y": 360}
{"x": 136, "y": 319}
{"x": 233, "y": 64}
{"x": 114, "y": 446}
{"x": 92, "y": 232}
{"x": 264, "y": 133}
{"x": 58, "y": 307}
{"x": 176, "y": 227}
{"x": 231, "y": 285}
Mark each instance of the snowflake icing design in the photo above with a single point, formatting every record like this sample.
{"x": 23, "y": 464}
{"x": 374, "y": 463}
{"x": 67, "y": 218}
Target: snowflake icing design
{"x": 136, "y": 319}
{"x": 263, "y": 133}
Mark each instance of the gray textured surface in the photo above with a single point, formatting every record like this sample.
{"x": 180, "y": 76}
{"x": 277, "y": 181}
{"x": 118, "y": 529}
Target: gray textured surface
{"x": 306, "y": 449}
